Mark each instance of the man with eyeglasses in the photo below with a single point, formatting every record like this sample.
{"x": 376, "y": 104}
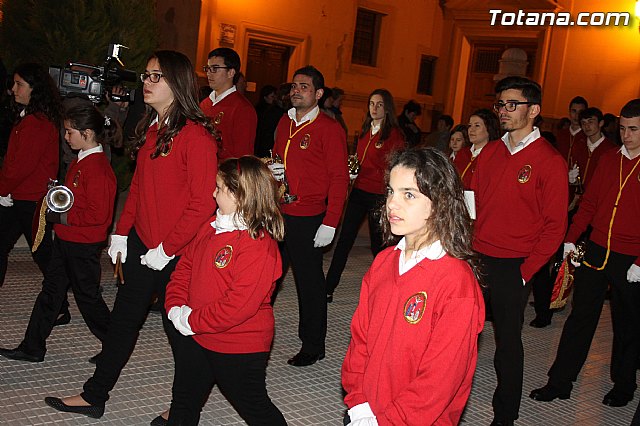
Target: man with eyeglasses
{"x": 231, "y": 113}
{"x": 313, "y": 150}
{"x": 521, "y": 192}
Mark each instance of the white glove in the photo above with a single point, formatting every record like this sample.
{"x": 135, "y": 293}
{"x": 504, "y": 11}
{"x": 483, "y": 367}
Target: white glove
{"x": 352, "y": 176}
{"x": 568, "y": 248}
{"x": 633, "y": 274}
{"x": 278, "y": 171}
{"x": 118, "y": 245}
{"x": 361, "y": 415}
{"x": 573, "y": 174}
{"x": 156, "y": 258}
{"x": 6, "y": 201}
{"x": 324, "y": 236}
{"x": 179, "y": 316}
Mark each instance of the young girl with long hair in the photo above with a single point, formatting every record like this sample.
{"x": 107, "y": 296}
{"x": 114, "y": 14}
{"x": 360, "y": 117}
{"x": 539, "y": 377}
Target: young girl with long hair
{"x": 80, "y": 235}
{"x": 414, "y": 334}
{"x": 380, "y": 136}
{"x": 168, "y": 202}
{"x": 219, "y": 298}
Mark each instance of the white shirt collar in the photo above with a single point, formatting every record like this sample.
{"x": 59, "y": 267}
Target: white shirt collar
{"x": 311, "y": 115}
{"x": 475, "y": 151}
{"x": 434, "y": 251}
{"x": 375, "y": 128}
{"x": 452, "y": 155}
{"x": 228, "y": 222}
{"x": 592, "y": 146}
{"x": 574, "y": 132}
{"x": 217, "y": 98}
{"x": 531, "y": 137}
{"x": 625, "y": 152}
{"x": 82, "y": 154}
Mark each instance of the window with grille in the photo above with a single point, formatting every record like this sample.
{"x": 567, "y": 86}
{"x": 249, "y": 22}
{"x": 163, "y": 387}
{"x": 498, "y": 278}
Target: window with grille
{"x": 366, "y": 37}
{"x": 425, "y": 77}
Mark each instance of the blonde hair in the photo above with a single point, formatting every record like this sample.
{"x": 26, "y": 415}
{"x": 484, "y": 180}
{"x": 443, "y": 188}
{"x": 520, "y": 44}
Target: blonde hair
{"x": 256, "y": 193}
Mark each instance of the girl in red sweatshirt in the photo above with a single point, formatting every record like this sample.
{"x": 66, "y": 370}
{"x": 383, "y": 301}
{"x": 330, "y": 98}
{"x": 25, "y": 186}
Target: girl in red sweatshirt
{"x": 414, "y": 334}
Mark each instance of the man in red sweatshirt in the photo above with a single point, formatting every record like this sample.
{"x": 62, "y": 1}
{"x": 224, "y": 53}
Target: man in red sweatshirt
{"x": 610, "y": 206}
{"x": 313, "y": 149}
{"x": 233, "y": 115}
{"x": 521, "y": 193}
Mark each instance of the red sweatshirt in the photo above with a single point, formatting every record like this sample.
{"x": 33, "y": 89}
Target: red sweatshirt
{"x": 93, "y": 184}
{"x": 598, "y": 201}
{"x": 588, "y": 160}
{"x": 31, "y": 160}
{"x": 521, "y": 203}
{"x": 171, "y": 197}
{"x": 227, "y": 279}
{"x": 373, "y": 163}
{"x": 236, "y": 120}
{"x": 413, "y": 360}
{"x": 316, "y": 166}
{"x": 567, "y": 144}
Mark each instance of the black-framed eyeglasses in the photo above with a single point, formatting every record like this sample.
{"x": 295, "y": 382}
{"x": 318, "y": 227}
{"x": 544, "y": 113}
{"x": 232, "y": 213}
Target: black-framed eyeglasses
{"x": 154, "y": 77}
{"x": 509, "y": 106}
{"x": 214, "y": 68}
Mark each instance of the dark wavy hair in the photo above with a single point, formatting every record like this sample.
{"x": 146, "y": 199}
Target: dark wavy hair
{"x": 85, "y": 116}
{"x": 449, "y": 221}
{"x": 531, "y": 90}
{"x": 490, "y": 120}
{"x": 465, "y": 134}
{"x": 256, "y": 192}
{"x": 389, "y": 122}
{"x": 45, "y": 97}
{"x": 179, "y": 74}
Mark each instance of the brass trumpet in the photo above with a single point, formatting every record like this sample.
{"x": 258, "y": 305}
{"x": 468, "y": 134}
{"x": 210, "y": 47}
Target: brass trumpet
{"x": 59, "y": 198}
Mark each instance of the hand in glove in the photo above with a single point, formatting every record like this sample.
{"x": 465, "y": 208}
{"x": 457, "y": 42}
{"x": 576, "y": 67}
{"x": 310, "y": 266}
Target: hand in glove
{"x": 568, "y": 248}
{"x": 278, "y": 171}
{"x": 324, "y": 236}
{"x": 54, "y": 217}
{"x": 352, "y": 176}
{"x": 573, "y": 174}
{"x": 179, "y": 316}
{"x": 156, "y": 258}
{"x": 6, "y": 201}
{"x": 633, "y": 274}
{"x": 118, "y": 245}
{"x": 361, "y": 415}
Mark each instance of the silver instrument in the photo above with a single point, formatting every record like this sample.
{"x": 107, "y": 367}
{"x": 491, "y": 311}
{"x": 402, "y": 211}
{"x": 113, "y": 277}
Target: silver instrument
{"x": 59, "y": 198}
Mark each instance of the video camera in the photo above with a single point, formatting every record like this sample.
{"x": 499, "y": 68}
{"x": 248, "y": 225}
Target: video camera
{"x": 95, "y": 82}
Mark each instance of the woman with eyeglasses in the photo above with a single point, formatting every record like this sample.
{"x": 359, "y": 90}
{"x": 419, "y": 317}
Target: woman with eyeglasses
{"x": 483, "y": 128}
{"x": 169, "y": 199}
{"x": 380, "y": 136}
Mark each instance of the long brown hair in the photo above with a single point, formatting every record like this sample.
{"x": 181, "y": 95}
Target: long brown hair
{"x": 449, "y": 221}
{"x": 179, "y": 74}
{"x": 389, "y": 122}
{"x": 256, "y": 192}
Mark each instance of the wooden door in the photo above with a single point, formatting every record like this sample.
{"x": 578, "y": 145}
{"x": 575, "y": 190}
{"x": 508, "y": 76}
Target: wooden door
{"x": 267, "y": 63}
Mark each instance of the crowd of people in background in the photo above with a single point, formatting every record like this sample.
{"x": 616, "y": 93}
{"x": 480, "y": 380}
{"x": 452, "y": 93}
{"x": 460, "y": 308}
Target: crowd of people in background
{"x": 226, "y": 197}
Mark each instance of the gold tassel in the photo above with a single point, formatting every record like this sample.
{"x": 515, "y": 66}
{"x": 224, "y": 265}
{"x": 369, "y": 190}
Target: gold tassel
{"x": 42, "y": 223}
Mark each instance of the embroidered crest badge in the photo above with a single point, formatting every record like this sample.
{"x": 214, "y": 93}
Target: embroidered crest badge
{"x": 524, "y": 174}
{"x": 414, "y": 307}
{"x": 223, "y": 256}
{"x": 218, "y": 118}
{"x": 306, "y": 139}
{"x": 76, "y": 178}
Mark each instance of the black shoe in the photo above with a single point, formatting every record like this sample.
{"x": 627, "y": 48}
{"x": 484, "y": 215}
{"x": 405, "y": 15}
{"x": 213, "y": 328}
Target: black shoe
{"x": 616, "y": 399}
{"x": 501, "y": 422}
{"x": 329, "y": 298}
{"x": 20, "y": 355}
{"x": 302, "y": 359}
{"x": 63, "y": 319}
{"x": 93, "y": 411}
{"x": 548, "y": 393}
{"x": 94, "y": 359}
{"x": 539, "y": 322}
{"x": 159, "y": 421}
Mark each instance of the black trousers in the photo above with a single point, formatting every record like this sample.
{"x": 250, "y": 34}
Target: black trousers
{"x": 359, "y": 205}
{"x": 589, "y": 291}
{"x": 16, "y": 221}
{"x": 306, "y": 263}
{"x": 129, "y": 313}
{"x": 76, "y": 265}
{"x": 508, "y": 298}
{"x": 240, "y": 377}
{"x": 542, "y": 286}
